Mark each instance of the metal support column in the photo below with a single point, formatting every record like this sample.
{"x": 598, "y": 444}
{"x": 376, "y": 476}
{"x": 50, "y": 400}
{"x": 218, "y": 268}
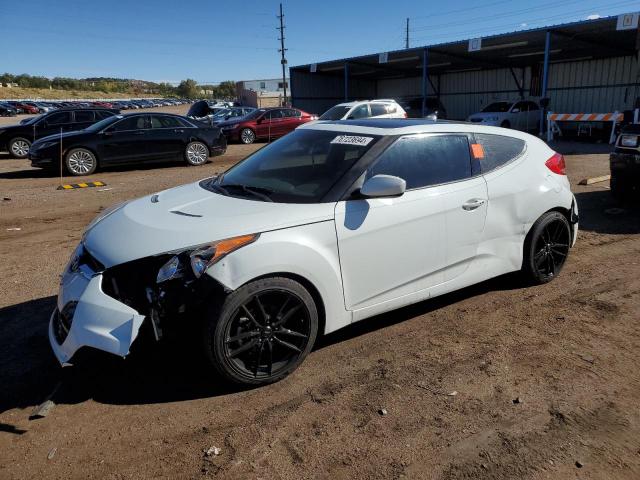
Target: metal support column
{"x": 425, "y": 78}
{"x": 545, "y": 78}
{"x": 346, "y": 82}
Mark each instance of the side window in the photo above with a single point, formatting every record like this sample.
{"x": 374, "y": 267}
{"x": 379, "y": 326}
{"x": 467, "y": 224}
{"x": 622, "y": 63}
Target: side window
{"x": 163, "y": 121}
{"x": 425, "y": 160}
{"x": 378, "y": 109}
{"x": 102, "y": 114}
{"x": 137, "y": 122}
{"x": 498, "y": 150}
{"x": 360, "y": 112}
{"x": 59, "y": 118}
{"x": 533, "y": 106}
{"x": 83, "y": 117}
{"x": 520, "y": 107}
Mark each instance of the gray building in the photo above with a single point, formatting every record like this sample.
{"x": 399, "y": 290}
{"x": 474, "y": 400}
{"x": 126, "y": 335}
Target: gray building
{"x": 262, "y": 93}
{"x": 581, "y": 67}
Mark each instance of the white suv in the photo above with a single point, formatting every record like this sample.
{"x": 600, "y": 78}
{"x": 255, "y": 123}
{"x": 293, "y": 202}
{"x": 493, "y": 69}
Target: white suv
{"x": 365, "y": 109}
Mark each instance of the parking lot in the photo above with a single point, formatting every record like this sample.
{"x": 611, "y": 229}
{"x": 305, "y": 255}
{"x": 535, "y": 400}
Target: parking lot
{"x": 494, "y": 381}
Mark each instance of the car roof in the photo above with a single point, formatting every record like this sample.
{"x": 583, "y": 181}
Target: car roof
{"x": 402, "y": 126}
{"x": 360, "y": 102}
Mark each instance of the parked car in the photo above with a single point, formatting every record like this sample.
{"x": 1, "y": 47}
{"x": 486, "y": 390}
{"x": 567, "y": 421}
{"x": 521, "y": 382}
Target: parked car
{"x": 17, "y": 139}
{"x": 624, "y": 163}
{"x": 433, "y": 107}
{"x": 28, "y": 108}
{"x": 332, "y": 224}
{"x": 7, "y": 110}
{"x": 265, "y": 123}
{"x": 364, "y": 109}
{"x": 15, "y": 105}
{"x": 521, "y": 115}
{"x": 129, "y": 139}
{"x": 231, "y": 114}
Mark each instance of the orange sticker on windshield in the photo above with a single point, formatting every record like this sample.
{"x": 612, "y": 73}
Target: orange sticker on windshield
{"x": 477, "y": 150}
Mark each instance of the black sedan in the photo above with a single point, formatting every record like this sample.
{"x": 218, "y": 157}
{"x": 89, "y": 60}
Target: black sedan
{"x": 133, "y": 138}
{"x": 17, "y": 139}
{"x": 7, "y": 110}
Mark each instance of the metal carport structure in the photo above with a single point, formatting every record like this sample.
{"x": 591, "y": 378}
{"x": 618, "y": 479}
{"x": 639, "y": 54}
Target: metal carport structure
{"x": 590, "y": 64}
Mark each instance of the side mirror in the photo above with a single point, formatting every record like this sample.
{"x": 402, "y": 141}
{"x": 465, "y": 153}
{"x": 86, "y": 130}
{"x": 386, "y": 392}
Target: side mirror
{"x": 380, "y": 186}
{"x": 515, "y": 110}
{"x": 350, "y": 117}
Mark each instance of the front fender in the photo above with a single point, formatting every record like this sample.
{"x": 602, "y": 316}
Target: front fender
{"x": 309, "y": 251}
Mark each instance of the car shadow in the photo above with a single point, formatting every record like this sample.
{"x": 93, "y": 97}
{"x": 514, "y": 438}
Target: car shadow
{"x": 172, "y": 370}
{"x": 601, "y": 213}
{"x": 52, "y": 173}
{"x": 581, "y": 146}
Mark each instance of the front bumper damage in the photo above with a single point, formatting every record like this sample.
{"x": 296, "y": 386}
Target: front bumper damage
{"x": 97, "y": 321}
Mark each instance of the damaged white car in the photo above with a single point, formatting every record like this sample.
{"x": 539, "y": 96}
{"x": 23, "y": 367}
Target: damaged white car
{"x": 332, "y": 224}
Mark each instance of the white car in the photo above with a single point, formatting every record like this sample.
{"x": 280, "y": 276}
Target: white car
{"x": 521, "y": 115}
{"x": 329, "y": 225}
{"x": 365, "y": 109}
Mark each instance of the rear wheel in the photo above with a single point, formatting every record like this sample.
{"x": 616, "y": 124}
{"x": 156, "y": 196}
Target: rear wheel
{"x": 80, "y": 161}
{"x": 546, "y": 248}
{"x": 247, "y": 136}
{"x": 196, "y": 153}
{"x": 262, "y": 331}
{"x": 19, "y": 147}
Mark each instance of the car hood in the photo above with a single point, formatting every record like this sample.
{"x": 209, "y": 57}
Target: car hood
{"x": 187, "y": 216}
{"x": 57, "y": 136}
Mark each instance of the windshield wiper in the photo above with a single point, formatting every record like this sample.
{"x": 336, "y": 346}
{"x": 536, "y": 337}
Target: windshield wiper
{"x": 260, "y": 192}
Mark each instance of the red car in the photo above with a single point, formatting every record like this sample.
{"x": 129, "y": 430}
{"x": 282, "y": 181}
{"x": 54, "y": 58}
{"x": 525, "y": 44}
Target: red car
{"x": 102, "y": 104}
{"x": 265, "y": 123}
{"x": 28, "y": 108}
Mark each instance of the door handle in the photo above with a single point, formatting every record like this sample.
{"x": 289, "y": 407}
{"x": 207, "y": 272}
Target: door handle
{"x": 473, "y": 204}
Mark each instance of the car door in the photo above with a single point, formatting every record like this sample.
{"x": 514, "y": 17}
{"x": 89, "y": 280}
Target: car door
{"x": 52, "y": 124}
{"x": 267, "y": 127}
{"x": 397, "y": 248}
{"x": 167, "y": 137}
{"x": 126, "y": 140}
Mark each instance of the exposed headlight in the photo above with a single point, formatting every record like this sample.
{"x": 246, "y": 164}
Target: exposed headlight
{"x": 104, "y": 214}
{"x": 202, "y": 257}
{"x": 629, "y": 141}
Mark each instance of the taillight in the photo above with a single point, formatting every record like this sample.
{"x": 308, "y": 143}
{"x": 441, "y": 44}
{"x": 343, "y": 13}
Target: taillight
{"x": 556, "y": 164}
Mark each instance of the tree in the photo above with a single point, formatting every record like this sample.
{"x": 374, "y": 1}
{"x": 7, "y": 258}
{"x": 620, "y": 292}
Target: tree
{"x": 188, "y": 89}
{"x": 226, "y": 90}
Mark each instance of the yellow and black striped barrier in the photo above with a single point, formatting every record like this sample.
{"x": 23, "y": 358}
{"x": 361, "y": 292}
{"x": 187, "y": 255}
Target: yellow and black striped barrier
{"x": 71, "y": 186}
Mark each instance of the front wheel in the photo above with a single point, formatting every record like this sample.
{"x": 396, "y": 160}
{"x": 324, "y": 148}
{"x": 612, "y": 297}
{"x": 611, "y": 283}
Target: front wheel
{"x": 80, "y": 161}
{"x": 247, "y": 136}
{"x": 546, "y": 248}
{"x": 196, "y": 153}
{"x": 262, "y": 331}
{"x": 19, "y": 147}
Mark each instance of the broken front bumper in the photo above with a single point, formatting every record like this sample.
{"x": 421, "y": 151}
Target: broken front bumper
{"x": 86, "y": 317}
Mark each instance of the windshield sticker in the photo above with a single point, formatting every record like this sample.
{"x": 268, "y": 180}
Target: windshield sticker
{"x": 352, "y": 140}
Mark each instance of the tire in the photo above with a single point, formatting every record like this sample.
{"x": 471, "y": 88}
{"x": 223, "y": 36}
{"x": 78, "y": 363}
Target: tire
{"x": 243, "y": 342}
{"x": 505, "y": 124}
{"x": 546, "y": 248}
{"x": 80, "y": 161}
{"x": 196, "y": 153}
{"x": 19, "y": 147}
{"x": 247, "y": 136}
{"x": 619, "y": 188}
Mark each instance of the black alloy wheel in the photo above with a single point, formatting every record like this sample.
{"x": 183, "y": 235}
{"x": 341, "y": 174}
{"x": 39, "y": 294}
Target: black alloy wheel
{"x": 263, "y": 331}
{"x": 547, "y": 248}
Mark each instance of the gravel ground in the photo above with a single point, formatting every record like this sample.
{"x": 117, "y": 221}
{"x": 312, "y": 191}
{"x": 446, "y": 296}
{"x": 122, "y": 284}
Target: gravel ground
{"x": 494, "y": 381}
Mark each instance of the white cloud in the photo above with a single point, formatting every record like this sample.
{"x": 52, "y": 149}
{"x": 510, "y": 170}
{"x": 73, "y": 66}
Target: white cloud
{"x": 522, "y": 25}
{"x": 593, "y": 16}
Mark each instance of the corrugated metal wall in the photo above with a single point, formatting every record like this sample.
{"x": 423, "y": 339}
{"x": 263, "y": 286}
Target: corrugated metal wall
{"x": 604, "y": 85}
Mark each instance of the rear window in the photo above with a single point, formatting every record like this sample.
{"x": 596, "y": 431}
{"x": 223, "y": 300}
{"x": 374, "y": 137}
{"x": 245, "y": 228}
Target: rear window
{"x": 381, "y": 109}
{"x": 498, "y": 150}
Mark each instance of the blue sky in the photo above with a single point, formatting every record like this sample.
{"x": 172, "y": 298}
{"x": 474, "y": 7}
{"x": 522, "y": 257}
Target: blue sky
{"x": 216, "y": 40}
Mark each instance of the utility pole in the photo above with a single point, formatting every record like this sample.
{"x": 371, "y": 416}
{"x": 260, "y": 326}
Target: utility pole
{"x": 283, "y": 60}
{"x": 406, "y": 43}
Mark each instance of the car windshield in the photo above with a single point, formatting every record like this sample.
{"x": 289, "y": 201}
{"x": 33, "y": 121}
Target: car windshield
{"x": 31, "y": 120}
{"x": 497, "y": 107}
{"x": 301, "y": 167}
{"x": 335, "y": 113}
{"x": 96, "y": 127}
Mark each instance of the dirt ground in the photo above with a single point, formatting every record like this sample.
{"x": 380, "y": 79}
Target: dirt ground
{"x": 494, "y": 381}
